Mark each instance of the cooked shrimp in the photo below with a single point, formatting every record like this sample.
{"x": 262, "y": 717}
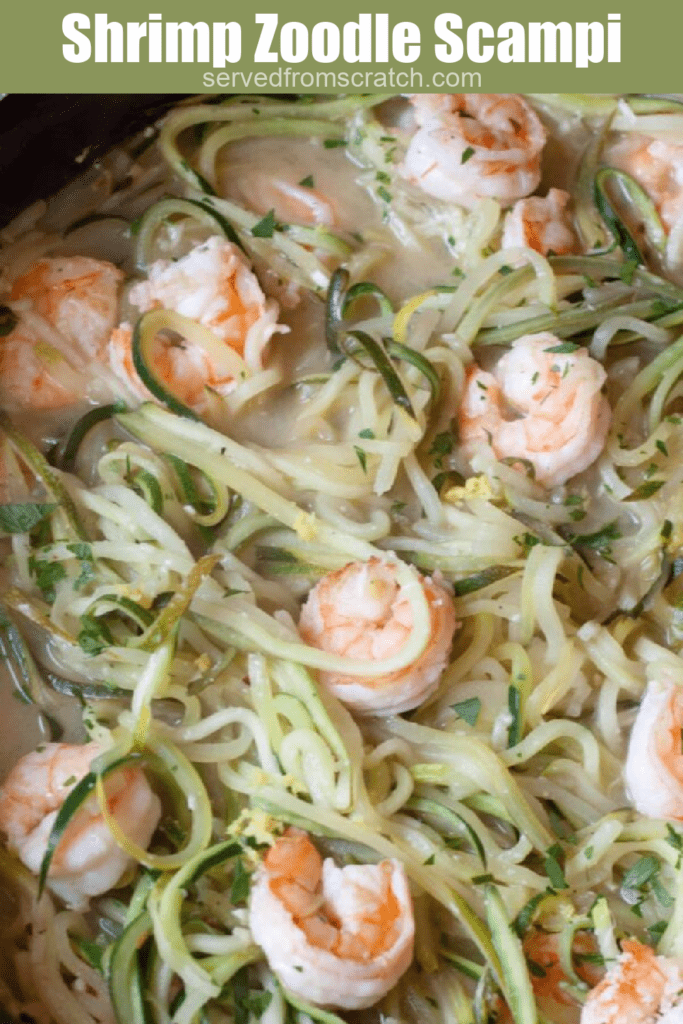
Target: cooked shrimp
{"x": 213, "y": 285}
{"x": 657, "y": 166}
{"x": 66, "y": 308}
{"x": 360, "y": 611}
{"x": 470, "y": 146}
{"x": 334, "y": 936}
{"x": 541, "y": 949}
{"x": 539, "y": 407}
{"x": 654, "y": 765}
{"x": 33, "y": 373}
{"x": 541, "y": 223}
{"x": 292, "y": 203}
{"x": 640, "y": 988}
{"x": 76, "y": 295}
{"x": 87, "y": 861}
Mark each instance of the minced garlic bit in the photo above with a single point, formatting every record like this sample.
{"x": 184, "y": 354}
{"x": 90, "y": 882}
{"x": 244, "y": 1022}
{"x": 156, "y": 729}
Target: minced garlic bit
{"x": 475, "y": 487}
{"x": 306, "y": 526}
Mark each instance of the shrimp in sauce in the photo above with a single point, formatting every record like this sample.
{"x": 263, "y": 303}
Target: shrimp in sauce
{"x": 538, "y": 406}
{"x": 212, "y": 285}
{"x": 359, "y": 611}
{"x": 473, "y": 146}
{"x": 87, "y": 861}
{"x": 654, "y": 764}
{"x": 66, "y": 308}
{"x": 541, "y": 223}
{"x": 657, "y": 166}
{"x": 291, "y": 203}
{"x": 334, "y": 936}
{"x": 641, "y": 988}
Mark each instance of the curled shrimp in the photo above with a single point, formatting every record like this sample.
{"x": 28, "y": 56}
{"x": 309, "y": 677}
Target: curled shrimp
{"x": 640, "y": 988}
{"x": 291, "y": 203}
{"x": 360, "y": 611}
{"x": 654, "y": 764}
{"x": 333, "y": 936}
{"x": 471, "y": 146}
{"x": 87, "y": 860}
{"x": 213, "y": 286}
{"x": 65, "y": 308}
{"x": 77, "y": 295}
{"x": 541, "y": 223}
{"x": 538, "y": 407}
{"x": 657, "y": 166}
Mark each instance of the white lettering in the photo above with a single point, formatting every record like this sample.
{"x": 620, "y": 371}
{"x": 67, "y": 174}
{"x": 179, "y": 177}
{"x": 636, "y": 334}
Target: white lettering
{"x": 590, "y": 43}
{"x": 453, "y": 50}
{"x": 325, "y": 42}
{"x": 71, "y": 24}
{"x": 477, "y": 31}
{"x": 405, "y": 42}
{"x": 263, "y": 53}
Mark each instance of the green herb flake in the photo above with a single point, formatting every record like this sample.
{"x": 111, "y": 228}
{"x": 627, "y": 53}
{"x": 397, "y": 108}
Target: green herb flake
{"x": 514, "y": 709}
{"x": 362, "y": 457}
{"x": 334, "y": 143}
{"x": 46, "y": 575}
{"x": 600, "y": 540}
{"x": 430, "y": 860}
{"x": 83, "y": 552}
{"x": 94, "y": 635}
{"x": 266, "y": 226}
{"x": 674, "y": 838}
{"x": 384, "y": 194}
{"x": 641, "y": 873}
{"x": 442, "y": 445}
{"x": 553, "y": 862}
{"x": 241, "y": 883}
{"x": 383, "y": 176}
{"x": 646, "y": 490}
{"x": 467, "y": 155}
{"x": 468, "y": 710}
{"x": 662, "y": 894}
{"x": 527, "y": 541}
{"x": 307, "y": 182}
{"x": 367, "y": 434}
{"x": 566, "y": 348}
{"x": 22, "y": 517}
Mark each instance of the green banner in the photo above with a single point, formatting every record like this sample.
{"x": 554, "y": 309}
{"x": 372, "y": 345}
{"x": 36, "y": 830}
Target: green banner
{"x": 300, "y": 46}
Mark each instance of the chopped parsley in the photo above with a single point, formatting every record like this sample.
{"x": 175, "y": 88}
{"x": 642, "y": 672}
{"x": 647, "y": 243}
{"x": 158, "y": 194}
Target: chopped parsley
{"x": 266, "y": 226}
{"x": 468, "y": 710}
